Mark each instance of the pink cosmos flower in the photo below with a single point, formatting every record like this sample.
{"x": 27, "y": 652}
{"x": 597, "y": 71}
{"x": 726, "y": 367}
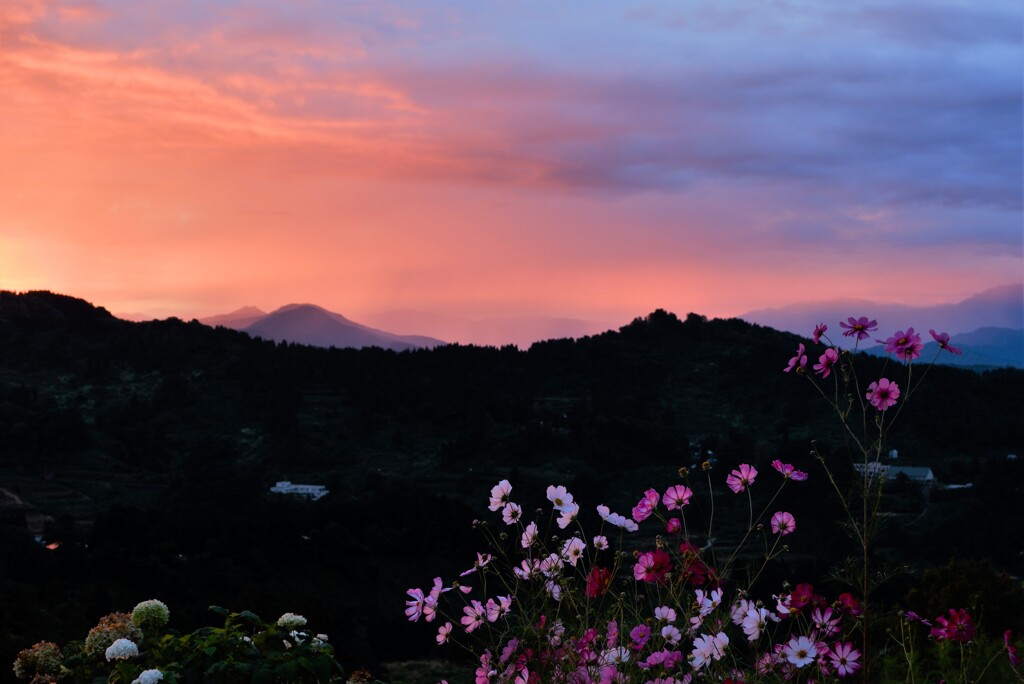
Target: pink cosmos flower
{"x": 511, "y": 513}
{"x": 510, "y": 650}
{"x": 705, "y": 603}
{"x": 442, "y": 633}
{"x": 858, "y": 327}
{"x": 707, "y": 647}
{"x": 677, "y": 496}
{"x": 674, "y": 526}
{"x": 612, "y": 634}
{"x": 568, "y": 515}
{"x": 800, "y": 651}
{"x": 1011, "y": 650}
{"x": 600, "y": 542}
{"x": 819, "y": 330}
{"x": 943, "y": 340}
{"x": 500, "y": 495}
{"x": 883, "y": 394}
{"x": 665, "y": 613}
{"x": 825, "y": 362}
{"x": 739, "y": 609}
{"x": 754, "y": 620}
{"x": 572, "y": 550}
{"x": 799, "y": 362}
{"x": 498, "y": 609}
{"x": 430, "y": 603}
{"x": 740, "y": 479}
{"x": 788, "y": 471}
{"x": 671, "y": 634}
{"x": 824, "y": 622}
{"x": 958, "y": 627}
{"x": 652, "y": 566}
{"x": 783, "y": 523}
{"x": 905, "y": 345}
{"x": 485, "y": 671}
{"x": 529, "y": 535}
{"x": 527, "y": 569}
{"x": 474, "y": 616}
{"x": 646, "y": 506}
{"x": 414, "y": 611}
{"x": 481, "y": 560}
{"x": 914, "y": 617}
{"x": 844, "y": 658}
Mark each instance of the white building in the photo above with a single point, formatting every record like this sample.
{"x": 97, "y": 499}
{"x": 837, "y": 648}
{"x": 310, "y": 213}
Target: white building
{"x": 309, "y": 491}
{"x": 921, "y": 475}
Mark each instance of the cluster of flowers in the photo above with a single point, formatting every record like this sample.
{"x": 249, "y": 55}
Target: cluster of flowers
{"x": 117, "y": 636}
{"x": 559, "y": 620}
{"x": 131, "y": 643}
{"x": 904, "y": 345}
{"x": 958, "y": 627}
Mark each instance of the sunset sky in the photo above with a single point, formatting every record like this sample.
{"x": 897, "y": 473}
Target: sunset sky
{"x": 590, "y": 159}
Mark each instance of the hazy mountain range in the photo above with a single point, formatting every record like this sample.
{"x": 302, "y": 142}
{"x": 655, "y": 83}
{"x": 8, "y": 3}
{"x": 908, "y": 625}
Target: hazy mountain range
{"x": 1001, "y": 307}
{"x": 989, "y": 326}
{"x": 312, "y": 326}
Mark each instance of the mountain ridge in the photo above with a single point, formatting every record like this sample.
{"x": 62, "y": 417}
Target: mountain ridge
{"x": 1001, "y": 306}
{"x": 316, "y": 326}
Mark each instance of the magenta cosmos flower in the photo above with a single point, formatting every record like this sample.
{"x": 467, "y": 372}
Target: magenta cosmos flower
{"x": 788, "y": 471}
{"x": 742, "y": 478}
{"x": 943, "y": 340}
{"x": 957, "y": 627}
{"x": 858, "y": 327}
{"x": 825, "y": 362}
{"x": 905, "y": 345}
{"x": 799, "y": 362}
{"x": 643, "y": 509}
{"x": 883, "y": 394}
{"x": 783, "y": 523}
{"x": 819, "y": 330}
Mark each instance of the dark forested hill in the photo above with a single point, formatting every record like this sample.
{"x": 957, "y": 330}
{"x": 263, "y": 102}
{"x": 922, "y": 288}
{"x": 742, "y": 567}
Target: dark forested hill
{"x": 156, "y": 443}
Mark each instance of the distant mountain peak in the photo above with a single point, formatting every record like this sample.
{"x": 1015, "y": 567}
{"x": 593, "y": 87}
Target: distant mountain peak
{"x": 238, "y": 319}
{"x": 304, "y": 323}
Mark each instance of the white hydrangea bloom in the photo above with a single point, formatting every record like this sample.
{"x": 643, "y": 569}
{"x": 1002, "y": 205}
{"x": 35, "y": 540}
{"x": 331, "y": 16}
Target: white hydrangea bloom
{"x": 291, "y": 621}
{"x": 151, "y": 612}
{"x": 149, "y": 677}
{"x": 122, "y": 649}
